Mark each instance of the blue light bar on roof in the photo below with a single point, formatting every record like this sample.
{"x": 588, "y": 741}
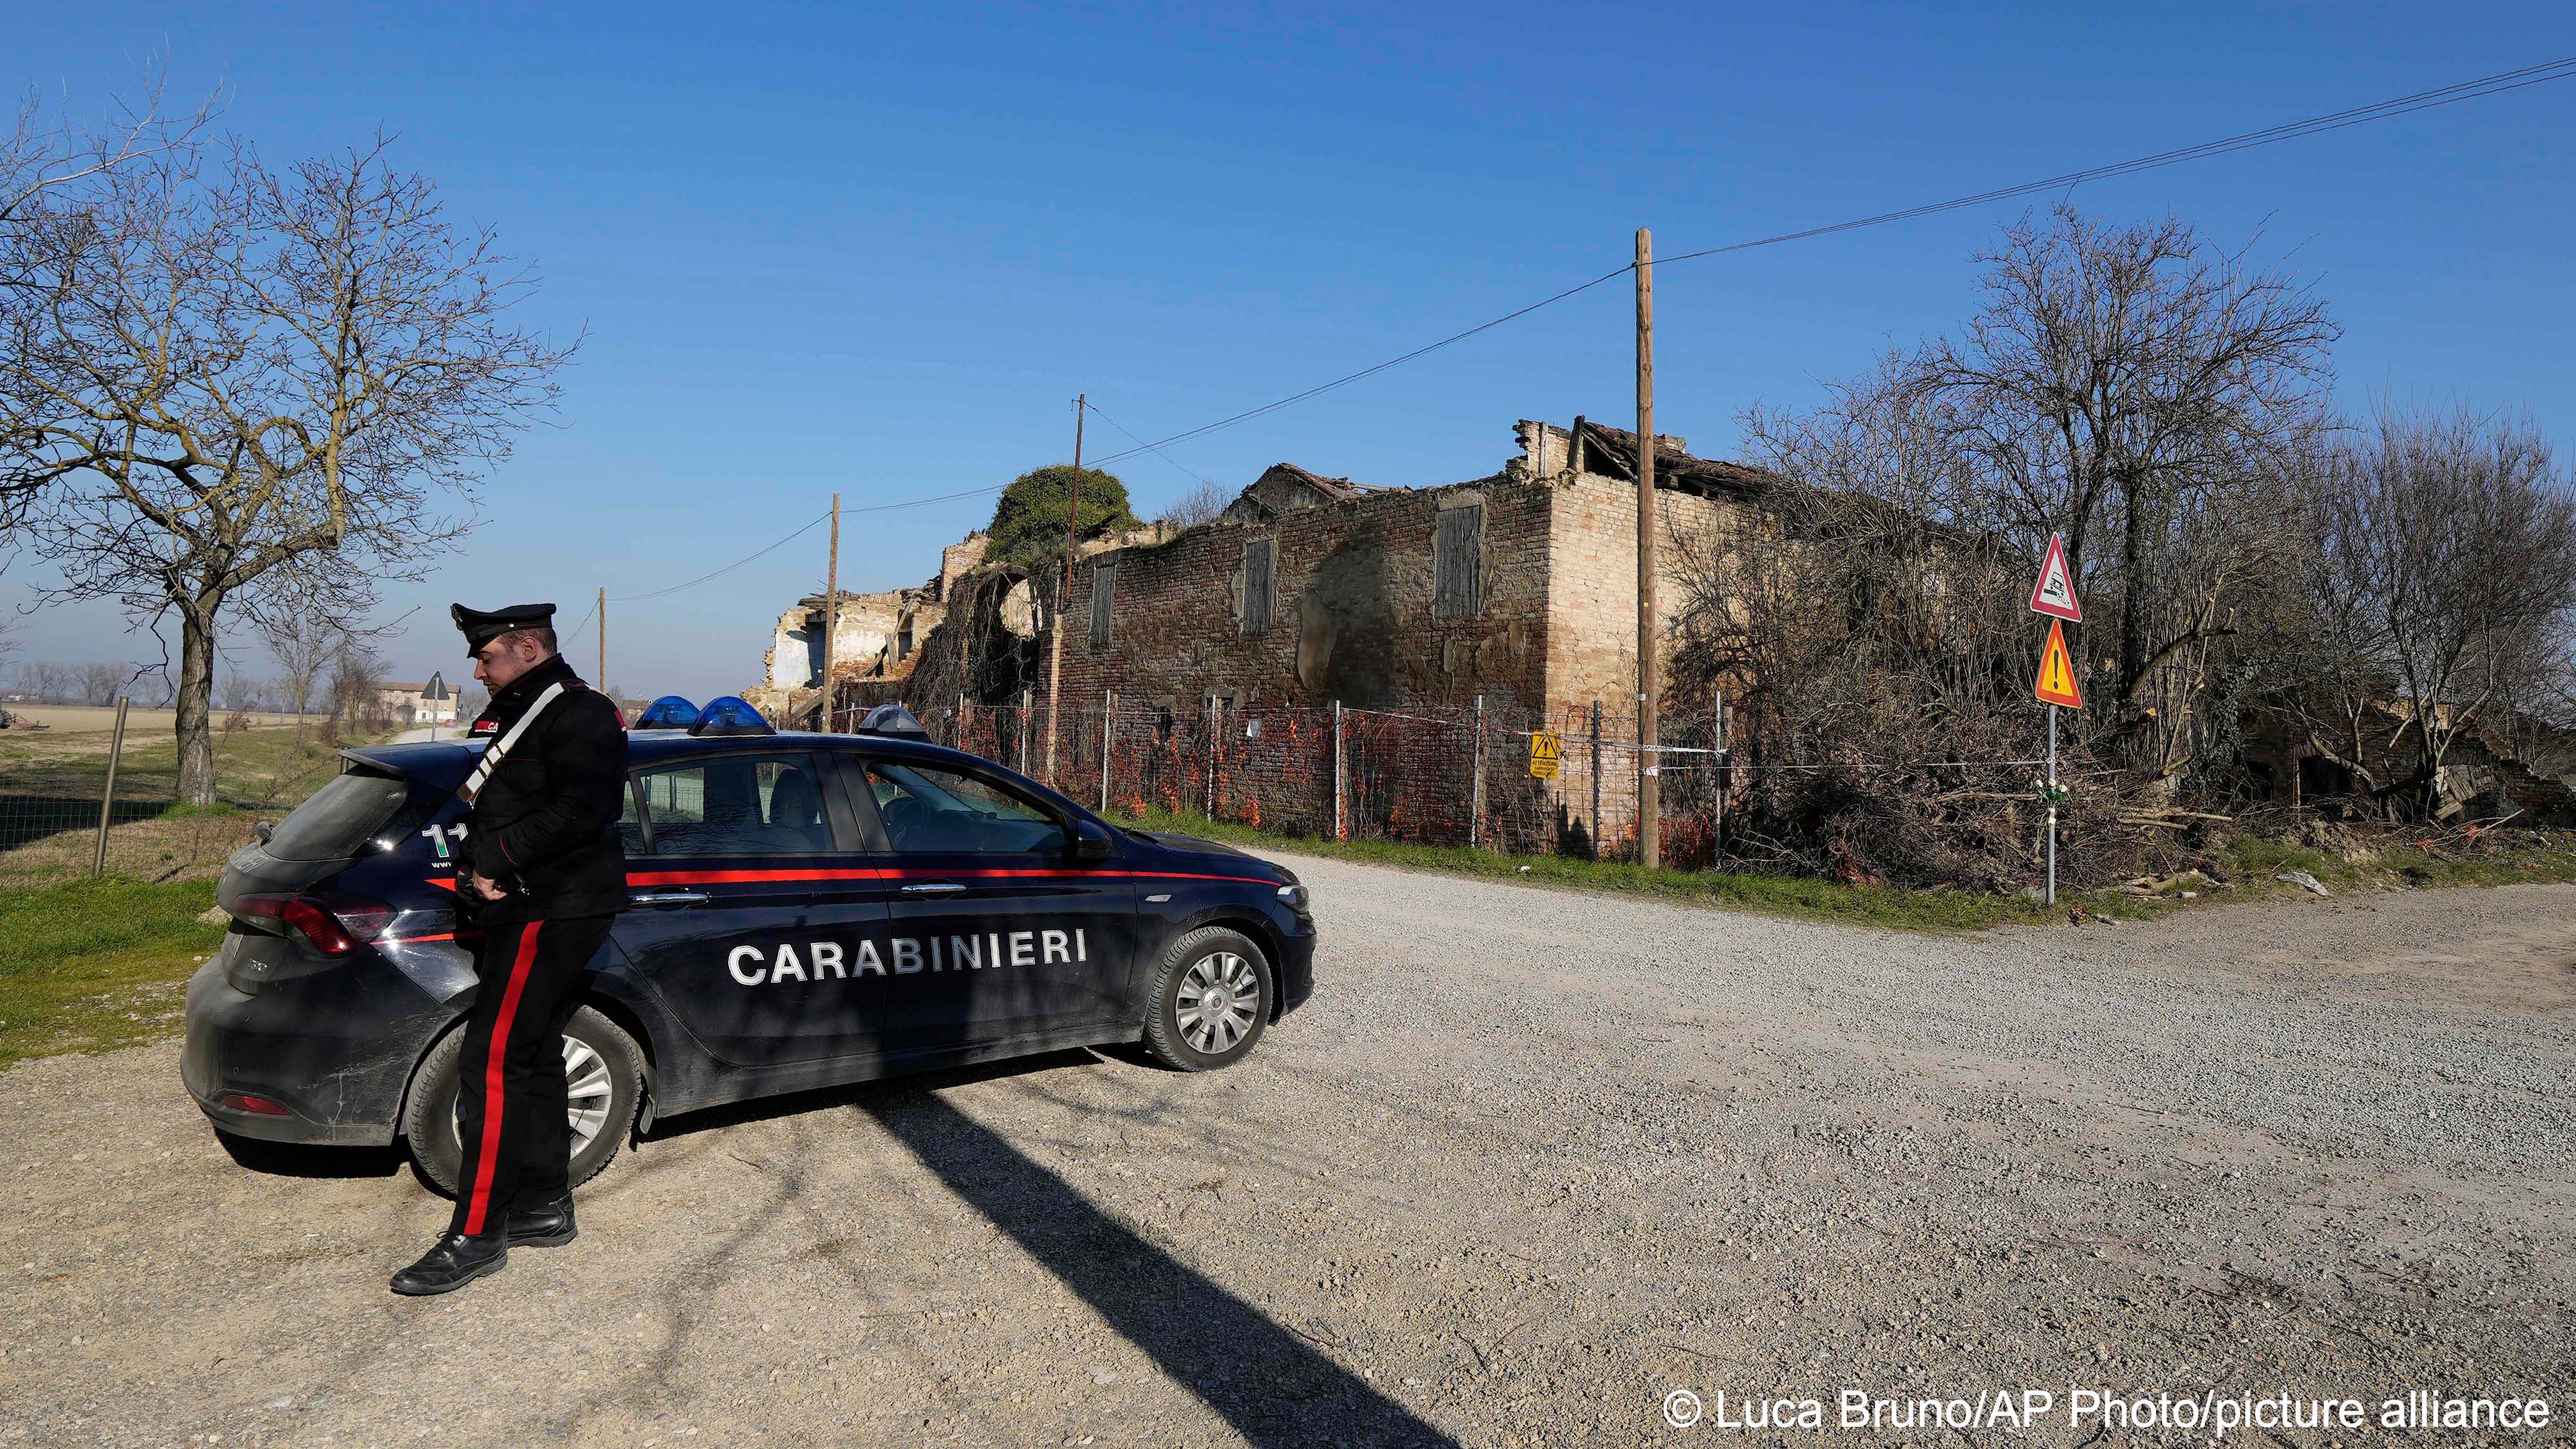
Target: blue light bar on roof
{"x": 731, "y": 715}
{"x": 670, "y": 712}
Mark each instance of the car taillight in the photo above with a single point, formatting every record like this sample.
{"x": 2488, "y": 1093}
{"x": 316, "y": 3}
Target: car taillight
{"x": 334, "y": 924}
{"x": 264, "y": 1106}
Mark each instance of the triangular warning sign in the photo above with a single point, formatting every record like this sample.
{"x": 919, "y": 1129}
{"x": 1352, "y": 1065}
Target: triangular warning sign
{"x": 2056, "y": 682}
{"x": 2055, "y": 593}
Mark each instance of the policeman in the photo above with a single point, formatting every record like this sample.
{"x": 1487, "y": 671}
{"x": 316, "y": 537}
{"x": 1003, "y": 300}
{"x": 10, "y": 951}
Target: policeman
{"x": 542, "y": 877}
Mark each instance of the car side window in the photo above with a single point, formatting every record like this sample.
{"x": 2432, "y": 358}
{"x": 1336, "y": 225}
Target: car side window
{"x": 630, "y": 826}
{"x": 767, "y": 804}
{"x": 926, "y": 808}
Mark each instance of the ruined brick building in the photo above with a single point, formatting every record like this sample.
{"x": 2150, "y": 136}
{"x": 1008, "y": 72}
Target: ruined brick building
{"x": 1519, "y": 586}
{"x": 879, "y": 635}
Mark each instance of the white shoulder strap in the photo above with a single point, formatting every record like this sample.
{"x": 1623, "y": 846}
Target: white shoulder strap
{"x": 495, "y": 751}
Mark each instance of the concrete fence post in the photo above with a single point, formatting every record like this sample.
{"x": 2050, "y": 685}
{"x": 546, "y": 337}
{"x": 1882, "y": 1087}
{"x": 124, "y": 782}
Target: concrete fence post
{"x": 1476, "y": 784}
{"x": 1108, "y": 739}
{"x": 1026, "y": 700}
{"x": 1211, "y": 757}
{"x": 1596, "y": 779}
{"x": 1341, "y": 817}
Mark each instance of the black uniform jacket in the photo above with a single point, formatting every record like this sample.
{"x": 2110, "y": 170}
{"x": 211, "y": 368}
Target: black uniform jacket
{"x": 545, "y": 823}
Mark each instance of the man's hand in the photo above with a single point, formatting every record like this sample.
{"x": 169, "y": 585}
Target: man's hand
{"x": 486, "y": 887}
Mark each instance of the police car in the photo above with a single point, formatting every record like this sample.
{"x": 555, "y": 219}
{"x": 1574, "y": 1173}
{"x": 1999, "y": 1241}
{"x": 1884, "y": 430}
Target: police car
{"x": 805, "y": 910}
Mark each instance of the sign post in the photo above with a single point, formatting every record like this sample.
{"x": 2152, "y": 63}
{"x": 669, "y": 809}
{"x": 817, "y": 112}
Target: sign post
{"x": 2054, "y": 595}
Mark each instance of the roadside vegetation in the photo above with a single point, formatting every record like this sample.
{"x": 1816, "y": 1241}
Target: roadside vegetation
{"x": 2252, "y": 872}
{"x": 94, "y": 964}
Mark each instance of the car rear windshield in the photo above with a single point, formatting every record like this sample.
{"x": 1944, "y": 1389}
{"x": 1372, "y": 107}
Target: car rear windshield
{"x": 340, "y": 814}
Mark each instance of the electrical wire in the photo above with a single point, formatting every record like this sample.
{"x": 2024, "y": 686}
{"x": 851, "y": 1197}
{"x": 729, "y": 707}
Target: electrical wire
{"x": 818, "y": 522}
{"x": 1140, "y": 442}
{"x": 2395, "y": 106}
{"x": 2470, "y": 90}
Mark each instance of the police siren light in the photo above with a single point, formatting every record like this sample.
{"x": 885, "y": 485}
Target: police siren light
{"x": 731, "y": 715}
{"x": 670, "y": 712}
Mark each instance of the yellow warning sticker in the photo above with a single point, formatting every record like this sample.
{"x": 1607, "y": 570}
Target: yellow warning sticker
{"x": 2056, "y": 682}
{"x": 1545, "y": 750}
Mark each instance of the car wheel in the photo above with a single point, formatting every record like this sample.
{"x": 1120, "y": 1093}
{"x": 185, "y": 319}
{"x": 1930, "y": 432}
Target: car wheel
{"x": 604, "y": 1087}
{"x": 1211, "y": 998}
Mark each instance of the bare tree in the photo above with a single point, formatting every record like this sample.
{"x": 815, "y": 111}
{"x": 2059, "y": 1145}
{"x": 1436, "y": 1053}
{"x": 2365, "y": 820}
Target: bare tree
{"x": 101, "y": 682}
{"x": 1201, "y": 504}
{"x": 2117, "y": 383}
{"x": 2445, "y": 567}
{"x": 240, "y": 691}
{"x": 236, "y": 371}
{"x": 44, "y": 154}
{"x": 303, "y": 641}
{"x": 357, "y": 689}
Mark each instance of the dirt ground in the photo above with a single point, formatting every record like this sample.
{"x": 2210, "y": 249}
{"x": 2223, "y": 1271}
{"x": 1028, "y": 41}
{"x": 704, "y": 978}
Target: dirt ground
{"x": 1530, "y": 1162}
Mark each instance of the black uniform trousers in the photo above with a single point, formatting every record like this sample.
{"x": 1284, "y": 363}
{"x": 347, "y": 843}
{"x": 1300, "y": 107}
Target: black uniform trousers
{"x": 510, "y": 1102}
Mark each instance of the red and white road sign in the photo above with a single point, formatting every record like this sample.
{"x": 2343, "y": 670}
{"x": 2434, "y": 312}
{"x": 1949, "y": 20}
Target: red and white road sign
{"x": 2055, "y": 593}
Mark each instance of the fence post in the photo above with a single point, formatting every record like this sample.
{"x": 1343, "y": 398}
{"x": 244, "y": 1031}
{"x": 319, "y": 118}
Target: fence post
{"x": 1341, "y": 819}
{"x": 1476, "y": 788}
{"x": 1717, "y": 778}
{"x": 1211, "y": 758}
{"x": 107, "y": 796}
{"x": 1596, "y": 780}
{"x": 961, "y": 719}
{"x": 1108, "y": 737}
{"x": 1025, "y": 698}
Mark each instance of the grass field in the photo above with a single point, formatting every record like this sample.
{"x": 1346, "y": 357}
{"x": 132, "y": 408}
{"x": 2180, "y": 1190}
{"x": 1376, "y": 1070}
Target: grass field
{"x": 91, "y": 964}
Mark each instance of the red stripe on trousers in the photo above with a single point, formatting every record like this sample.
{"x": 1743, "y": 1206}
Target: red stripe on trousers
{"x": 496, "y": 1050}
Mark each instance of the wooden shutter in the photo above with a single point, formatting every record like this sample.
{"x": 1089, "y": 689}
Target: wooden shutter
{"x": 1104, "y": 583}
{"x": 1257, "y": 554}
{"x": 1457, "y": 551}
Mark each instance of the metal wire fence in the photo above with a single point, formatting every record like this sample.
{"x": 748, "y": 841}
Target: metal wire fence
{"x": 78, "y": 802}
{"x": 1433, "y": 775}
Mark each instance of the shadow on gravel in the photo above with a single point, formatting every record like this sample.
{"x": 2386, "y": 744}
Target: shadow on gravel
{"x": 1270, "y": 1383}
{"x": 295, "y": 1159}
{"x": 867, "y": 1095}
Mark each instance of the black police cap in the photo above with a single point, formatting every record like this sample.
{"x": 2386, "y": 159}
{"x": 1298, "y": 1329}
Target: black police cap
{"x": 482, "y": 626}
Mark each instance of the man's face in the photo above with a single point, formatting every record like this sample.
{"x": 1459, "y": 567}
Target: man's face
{"x": 506, "y": 658}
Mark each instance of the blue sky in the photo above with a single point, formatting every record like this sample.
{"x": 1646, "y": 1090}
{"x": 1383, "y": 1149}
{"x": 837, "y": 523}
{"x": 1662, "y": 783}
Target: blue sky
{"x": 879, "y": 250}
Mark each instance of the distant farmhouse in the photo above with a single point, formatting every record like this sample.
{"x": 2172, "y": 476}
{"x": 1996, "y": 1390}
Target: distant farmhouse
{"x": 418, "y": 704}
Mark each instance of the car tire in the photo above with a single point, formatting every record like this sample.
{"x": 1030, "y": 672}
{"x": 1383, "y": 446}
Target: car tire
{"x": 1212, "y": 994}
{"x": 598, "y": 1052}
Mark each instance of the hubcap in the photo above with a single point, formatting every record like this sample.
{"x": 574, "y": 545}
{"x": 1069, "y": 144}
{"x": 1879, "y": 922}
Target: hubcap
{"x": 587, "y": 1095}
{"x": 1218, "y": 999}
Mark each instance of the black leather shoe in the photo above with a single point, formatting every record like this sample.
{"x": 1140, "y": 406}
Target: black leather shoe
{"x": 456, "y": 1261}
{"x": 550, "y": 1226}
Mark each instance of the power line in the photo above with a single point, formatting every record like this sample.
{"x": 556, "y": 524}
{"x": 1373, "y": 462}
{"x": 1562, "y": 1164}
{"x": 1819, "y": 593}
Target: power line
{"x": 2496, "y": 84}
{"x": 2391, "y": 108}
{"x": 1348, "y": 378}
{"x": 1186, "y": 471}
{"x": 818, "y": 521}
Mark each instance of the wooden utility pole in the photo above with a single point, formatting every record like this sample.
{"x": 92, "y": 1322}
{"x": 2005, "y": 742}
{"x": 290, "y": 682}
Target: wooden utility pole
{"x": 831, "y": 609}
{"x": 1649, "y": 792}
{"x": 1064, "y": 599}
{"x": 603, "y": 642}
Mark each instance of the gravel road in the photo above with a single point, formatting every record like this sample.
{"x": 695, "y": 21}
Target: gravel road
{"x": 1530, "y": 1161}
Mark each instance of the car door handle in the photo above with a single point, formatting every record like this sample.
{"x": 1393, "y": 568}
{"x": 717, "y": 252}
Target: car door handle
{"x": 933, "y": 888}
{"x": 669, "y": 898}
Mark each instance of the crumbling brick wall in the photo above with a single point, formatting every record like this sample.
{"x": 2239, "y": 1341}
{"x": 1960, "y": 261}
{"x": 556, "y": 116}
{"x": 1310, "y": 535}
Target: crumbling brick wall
{"x": 1351, "y": 612}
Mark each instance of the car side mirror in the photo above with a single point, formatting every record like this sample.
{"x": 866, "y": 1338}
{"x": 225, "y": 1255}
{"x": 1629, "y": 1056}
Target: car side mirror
{"x": 1091, "y": 841}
